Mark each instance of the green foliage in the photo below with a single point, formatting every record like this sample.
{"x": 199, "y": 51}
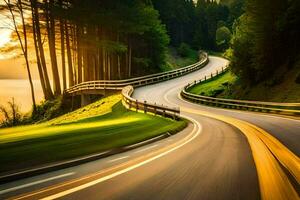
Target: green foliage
{"x": 175, "y": 61}
{"x": 184, "y": 50}
{"x": 48, "y": 110}
{"x": 178, "y": 15}
{"x": 236, "y": 7}
{"x": 241, "y": 60}
{"x": 209, "y": 15}
{"x": 132, "y": 24}
{"x": 196, "y": 23}
{"x": 11, "y": 114}
{"x": 265, "y": 39}
{"x": 223, "y": 37}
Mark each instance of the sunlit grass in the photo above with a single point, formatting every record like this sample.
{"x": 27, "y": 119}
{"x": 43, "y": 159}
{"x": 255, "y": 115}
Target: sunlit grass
{"x": 210, "y": 88}
{"x": 103, "y": 125}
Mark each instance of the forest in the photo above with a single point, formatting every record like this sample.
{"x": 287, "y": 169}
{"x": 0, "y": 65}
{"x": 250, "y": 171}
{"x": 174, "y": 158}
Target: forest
{"x": 100, "y": 39}
{"x": 92, "y": 40}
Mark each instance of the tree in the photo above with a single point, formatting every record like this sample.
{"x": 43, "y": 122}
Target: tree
{"x": 179, "y": 18}
{"x": 223, "y": 36}
{"x": 48, "y": 94}
{"x": 208, "y": 17}
{"x": 261, "y": 34}
{"x": 22, "y": 37}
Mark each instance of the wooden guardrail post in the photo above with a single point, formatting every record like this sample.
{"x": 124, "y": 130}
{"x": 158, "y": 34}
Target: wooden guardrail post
{"x": 155, "y": 109}
{"x": 145, "y": 106}
{"x": 205, "y": 77}
{"x": 174, "y": 116}
{"x": 129, "y": 104}
{"x": 137, "y": 106}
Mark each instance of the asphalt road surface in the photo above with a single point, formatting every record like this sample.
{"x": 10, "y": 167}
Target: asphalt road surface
{"x": 211, "y": 159}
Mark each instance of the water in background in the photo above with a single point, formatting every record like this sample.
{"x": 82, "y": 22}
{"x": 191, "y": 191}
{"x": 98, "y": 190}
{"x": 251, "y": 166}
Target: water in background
{"x": 19, "y": 89}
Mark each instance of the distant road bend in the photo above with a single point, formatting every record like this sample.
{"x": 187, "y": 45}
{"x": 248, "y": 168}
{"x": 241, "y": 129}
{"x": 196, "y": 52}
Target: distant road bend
{"x": 222, "y": 154}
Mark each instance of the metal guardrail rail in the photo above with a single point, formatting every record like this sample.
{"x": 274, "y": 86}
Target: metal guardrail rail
{"x": 127, "y": 87}
{"x": 257, "y": 106}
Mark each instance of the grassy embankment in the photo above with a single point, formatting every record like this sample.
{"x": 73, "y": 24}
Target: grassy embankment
{"x": 100, "y": 126}
{"x": 215, "y": 87}
{"x": 228, "y": 86}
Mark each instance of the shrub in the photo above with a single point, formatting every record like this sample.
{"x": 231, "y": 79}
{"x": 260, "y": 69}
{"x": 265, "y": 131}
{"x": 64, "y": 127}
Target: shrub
{"x": 217, "y": 92}
{"x": 223, "y": 37}
{"x": 50, "y": 109}
{"x": 184, "y": 50}
{"x": 12, "y": 115}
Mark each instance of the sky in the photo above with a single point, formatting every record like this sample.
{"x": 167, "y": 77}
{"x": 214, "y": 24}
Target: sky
{"x": 5, "y": 31}
{"x": 10, "y": 67}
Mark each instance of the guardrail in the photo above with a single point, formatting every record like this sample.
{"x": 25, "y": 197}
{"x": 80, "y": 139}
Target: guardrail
{"x": 127, "y": 87}
{"x": 131, "y": 103}
{"x": 257, "y": 106}
{"x": 139, "y": 81}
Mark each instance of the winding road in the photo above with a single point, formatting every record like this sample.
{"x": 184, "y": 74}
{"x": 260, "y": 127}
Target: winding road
{"x": 215, "y": 157}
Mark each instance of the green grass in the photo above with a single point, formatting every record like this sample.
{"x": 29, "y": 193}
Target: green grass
{"x": 214, "y": 87}
{"x": 286, "y": 90}
{"x": 175, "y": 61}
{"x": 101, "y": 126}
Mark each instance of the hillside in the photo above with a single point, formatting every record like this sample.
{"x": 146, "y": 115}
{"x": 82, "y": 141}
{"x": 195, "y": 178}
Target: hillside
{"x": 98, "y": 127}
{"x": 174, "y": 60}
{"x": 284, "y": 88}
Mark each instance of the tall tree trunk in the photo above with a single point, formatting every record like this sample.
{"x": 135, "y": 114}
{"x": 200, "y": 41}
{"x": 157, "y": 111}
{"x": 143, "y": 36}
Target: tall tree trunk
{"x": 129, "y": 60}
{"x": 73, "y": 52}
{"x": 38, "y": 59}
{"x": 108, "y": 66}
{"x": 41, "y": 50}
{"x": 79, "y": 53}
{"x": 23, "y": 44}
{"x": 118, "y": 59}
{"x": 70, "y": 66}
{"x": 85, "y": 65}
{"x": 50, "y": 23}
{"x": 62, "y": 43}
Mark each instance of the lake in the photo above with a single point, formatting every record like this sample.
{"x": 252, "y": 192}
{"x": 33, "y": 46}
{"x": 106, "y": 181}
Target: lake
{"x": 19, "y": 89}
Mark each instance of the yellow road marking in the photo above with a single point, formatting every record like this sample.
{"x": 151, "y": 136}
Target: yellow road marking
{"x": 274, "y": 184}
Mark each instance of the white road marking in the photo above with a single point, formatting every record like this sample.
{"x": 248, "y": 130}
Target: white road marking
{"x": 35, "y": 183}
{"x": 138, "y": 151}
{"x": 118, "y": 159}
{"x": 195, "y": 134}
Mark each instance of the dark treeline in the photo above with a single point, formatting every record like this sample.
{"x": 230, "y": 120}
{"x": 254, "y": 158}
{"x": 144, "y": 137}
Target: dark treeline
{"x": 266, "y": 40}
{"x": 92, "y": 39}
{"x": 198, "y": 24}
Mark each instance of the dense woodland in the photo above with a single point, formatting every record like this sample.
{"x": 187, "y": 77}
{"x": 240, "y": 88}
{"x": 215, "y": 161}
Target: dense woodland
{"x": 94, "y": 39}
{"x": 104, "y": 39}
{"x": 266, "y": 40}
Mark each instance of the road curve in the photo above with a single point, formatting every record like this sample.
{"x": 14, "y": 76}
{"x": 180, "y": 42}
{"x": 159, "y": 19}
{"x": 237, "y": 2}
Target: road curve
{"x": 210, "y": 159}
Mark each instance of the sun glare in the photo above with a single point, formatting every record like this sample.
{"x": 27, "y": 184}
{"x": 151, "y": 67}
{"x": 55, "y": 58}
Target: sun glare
{"x": 5, "y": 33}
